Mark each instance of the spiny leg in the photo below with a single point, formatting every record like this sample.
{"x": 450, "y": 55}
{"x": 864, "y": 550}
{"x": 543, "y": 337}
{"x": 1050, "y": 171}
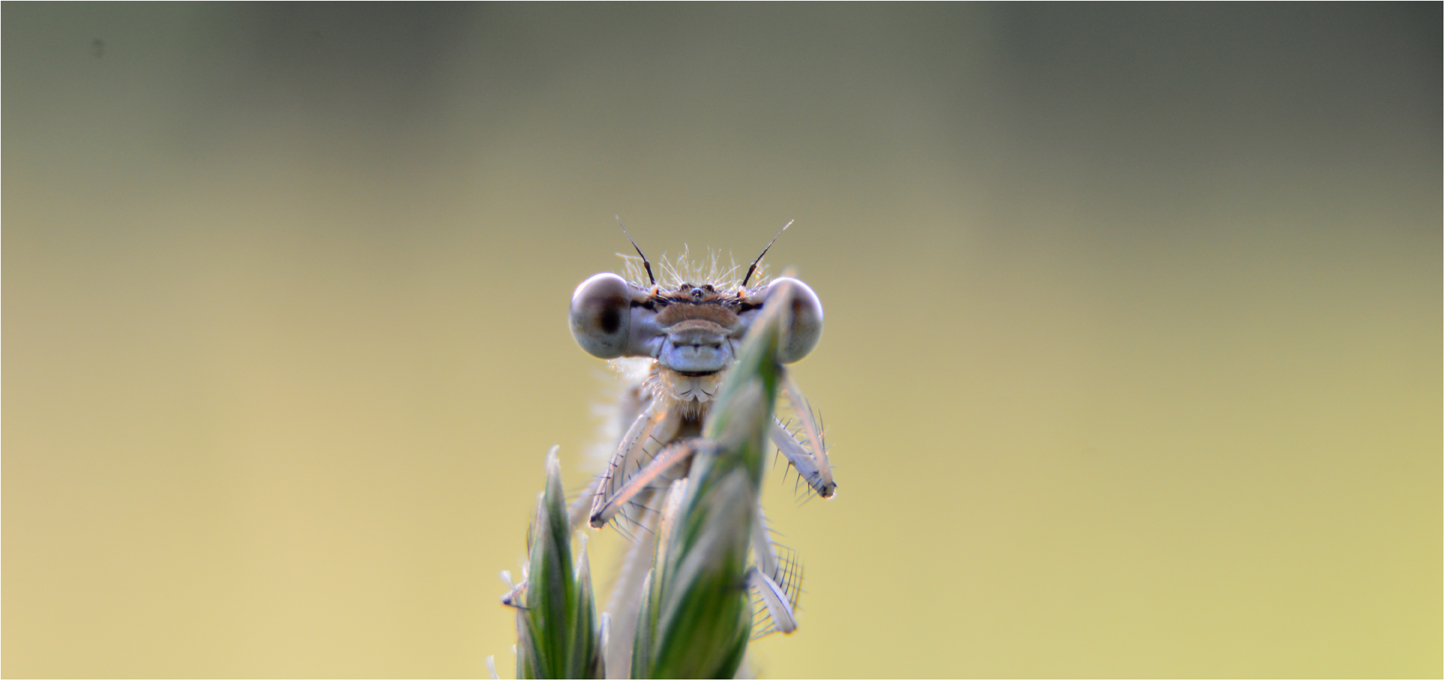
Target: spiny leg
{"x": 631, "y": 404}
{"x": 775, "y": 582}
{"x": 797, "y": 455}
{"x": 606, "y": 508}
{"x": 816, "y": 445}
{"x": 808, "y": 466}
{"x": 654, "y": 425}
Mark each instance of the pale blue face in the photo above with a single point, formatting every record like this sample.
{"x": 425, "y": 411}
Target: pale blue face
{"x": 697, "y": 347}
{"x": 690, "y": 329}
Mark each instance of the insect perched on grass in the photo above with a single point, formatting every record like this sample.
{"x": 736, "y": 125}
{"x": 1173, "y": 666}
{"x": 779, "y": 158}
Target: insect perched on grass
{"x": 680, "y": 335}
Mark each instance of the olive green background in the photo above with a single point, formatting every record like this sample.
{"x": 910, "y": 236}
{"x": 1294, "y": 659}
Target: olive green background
{"x": 1132, "y": 363}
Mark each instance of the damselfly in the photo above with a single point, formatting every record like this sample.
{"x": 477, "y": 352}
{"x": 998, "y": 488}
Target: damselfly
{"x": 681, "y": 334}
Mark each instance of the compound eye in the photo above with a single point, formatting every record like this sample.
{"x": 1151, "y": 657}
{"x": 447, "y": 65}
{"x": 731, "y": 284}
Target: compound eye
{"x": 601, "y": 315}
{"x": 806, "y": 328}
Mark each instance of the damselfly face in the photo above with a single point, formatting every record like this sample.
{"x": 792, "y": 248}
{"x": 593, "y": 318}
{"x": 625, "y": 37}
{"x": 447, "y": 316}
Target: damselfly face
{"x": 692, "y": 329}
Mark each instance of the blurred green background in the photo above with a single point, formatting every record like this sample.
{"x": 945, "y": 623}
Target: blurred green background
{"x": 1132, "y": 363}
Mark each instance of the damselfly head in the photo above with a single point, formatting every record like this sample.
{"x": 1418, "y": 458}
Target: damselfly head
{"x": 689, "y": 325}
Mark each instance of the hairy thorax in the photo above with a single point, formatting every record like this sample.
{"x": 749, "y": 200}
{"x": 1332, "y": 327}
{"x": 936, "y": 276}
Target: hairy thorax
{"x": 690, "y": 395}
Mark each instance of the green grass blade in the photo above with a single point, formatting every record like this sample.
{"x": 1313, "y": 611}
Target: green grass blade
{"x": 705, "y": 614}
{"x": 584, "y": 659}
{"x": 557, "y": 631}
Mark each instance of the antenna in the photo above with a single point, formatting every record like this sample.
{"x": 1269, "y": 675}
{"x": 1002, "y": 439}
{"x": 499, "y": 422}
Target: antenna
{"x": 759, "y": 257}
{"x": 647, "y": 264}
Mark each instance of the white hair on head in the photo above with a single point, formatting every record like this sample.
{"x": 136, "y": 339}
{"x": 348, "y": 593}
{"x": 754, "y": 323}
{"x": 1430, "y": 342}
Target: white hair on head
{"x": 673, "y": 272}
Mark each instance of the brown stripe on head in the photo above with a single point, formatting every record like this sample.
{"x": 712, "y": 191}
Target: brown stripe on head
{"x": 678, "y": 312}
